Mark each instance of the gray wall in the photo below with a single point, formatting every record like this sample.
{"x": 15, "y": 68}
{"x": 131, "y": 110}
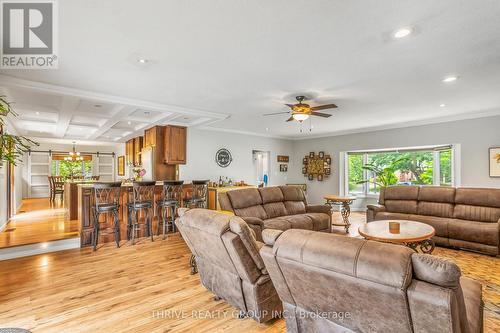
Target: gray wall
{"x": 475, "y": 136}
{"x": 203, "y": 144}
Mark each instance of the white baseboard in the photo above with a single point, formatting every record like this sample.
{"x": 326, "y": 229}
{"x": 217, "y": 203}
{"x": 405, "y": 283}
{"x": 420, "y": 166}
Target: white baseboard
{"x": 39, "y": 248}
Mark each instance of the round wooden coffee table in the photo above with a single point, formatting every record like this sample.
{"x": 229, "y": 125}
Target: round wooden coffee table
{"x": 413, "y": 234}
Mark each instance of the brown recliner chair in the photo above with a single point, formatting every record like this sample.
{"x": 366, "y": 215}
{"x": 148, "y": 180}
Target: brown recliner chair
{"x": 277, "y": 207}
{"x": 228, "y": 260}
{"x": 332, "y": 283}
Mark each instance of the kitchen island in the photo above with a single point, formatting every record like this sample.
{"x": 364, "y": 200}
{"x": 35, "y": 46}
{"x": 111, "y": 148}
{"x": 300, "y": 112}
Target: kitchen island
{"x": 85, "y": 202}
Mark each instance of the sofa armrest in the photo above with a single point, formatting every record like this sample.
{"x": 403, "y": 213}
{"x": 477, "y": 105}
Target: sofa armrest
{"x": 376, "y": 208}
{"x": 269, "y": 236}
{"x": 372, "y": 210}
{"x": 253, "y": 220}
{"x": 319, "y": 209}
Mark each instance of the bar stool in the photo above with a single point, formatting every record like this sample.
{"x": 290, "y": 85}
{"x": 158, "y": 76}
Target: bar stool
{"x": 171, "y": 200}
{"x": 106, "y": 200}
{"x": 199, "y": 195}
{"x": 141, "y": 197}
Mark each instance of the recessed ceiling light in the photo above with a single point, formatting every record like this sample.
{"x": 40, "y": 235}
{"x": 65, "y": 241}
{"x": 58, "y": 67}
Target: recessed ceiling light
{"x": 442, "y": 105}
{"x": 403, "y": 32}
{"x": 129, "y": 122}
{"x": 37, "y": 113}
{"x": 142, "y": 60}
{"x": 267, "y": 129}
{"x": 450, "y": 78}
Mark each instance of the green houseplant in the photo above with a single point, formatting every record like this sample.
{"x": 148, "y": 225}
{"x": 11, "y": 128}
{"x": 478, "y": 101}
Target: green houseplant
{"x": 12, "y": 147}
{"x": 384, "y": 175}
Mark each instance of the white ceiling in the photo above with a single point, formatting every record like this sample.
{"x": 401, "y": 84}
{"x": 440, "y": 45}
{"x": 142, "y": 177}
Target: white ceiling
{"x": 223, "y": 63}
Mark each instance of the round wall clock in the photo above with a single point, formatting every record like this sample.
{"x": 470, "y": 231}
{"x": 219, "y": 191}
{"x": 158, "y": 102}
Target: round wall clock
{"x": 223, "y": 157}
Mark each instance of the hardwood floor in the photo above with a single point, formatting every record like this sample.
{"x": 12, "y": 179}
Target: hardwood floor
{"x": 139, "y": 288}
{"x": 38, "y": 221}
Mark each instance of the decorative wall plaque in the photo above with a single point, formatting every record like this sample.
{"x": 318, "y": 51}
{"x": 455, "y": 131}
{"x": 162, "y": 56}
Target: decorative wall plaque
{"x": 283, "y": 158}
{"x": 223, "y": 157}
{"x": 317, "y": 166}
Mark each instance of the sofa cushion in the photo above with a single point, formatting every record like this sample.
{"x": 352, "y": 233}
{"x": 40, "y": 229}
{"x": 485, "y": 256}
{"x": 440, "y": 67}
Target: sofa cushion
{"x": 295, "y": 207}
{"x": 488, "y": 197}
{"x": 437, "y": 194}
{"x": 321, "y": 221}
{"x": 277, "y": 223}
{"x": 441, "y": 209}
{"x": 440, "y": 224}
{"x": 275, "y": 209}
{"x": 477, "y": 213}
{"x": 244, "y": 198}
{"x": 391, "y": 216}
{"x": 401, "y": 206}
{"x": 300, "y": 221}
{"x": 271, "y": 194}
{"x": 473, "y": 231}
{"x": 253, "y": 211}
{"x": 293, "y": 193}
{"x": 401, "y": 193}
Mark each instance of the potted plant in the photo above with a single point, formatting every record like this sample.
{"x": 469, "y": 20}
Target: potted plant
{"x": 12, "y": 147}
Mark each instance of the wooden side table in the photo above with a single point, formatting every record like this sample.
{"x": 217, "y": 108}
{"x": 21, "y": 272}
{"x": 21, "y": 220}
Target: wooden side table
{"x": 345, "y": 208}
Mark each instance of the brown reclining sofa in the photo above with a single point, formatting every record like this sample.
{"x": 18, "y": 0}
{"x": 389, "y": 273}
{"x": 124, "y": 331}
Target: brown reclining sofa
{"x": 333, "y": 283}
{"x": 467, "y": 218}
{"x": 279, "y": 207}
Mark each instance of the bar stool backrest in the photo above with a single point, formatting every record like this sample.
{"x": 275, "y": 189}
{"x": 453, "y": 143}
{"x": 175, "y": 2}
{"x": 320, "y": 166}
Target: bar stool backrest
{"x": 107, "y": 193}
{"x": 96, "y": 178}
{"x": 200, "y": 189}
{"x": 172, "y": 190}
{"x": 143, "y": 191}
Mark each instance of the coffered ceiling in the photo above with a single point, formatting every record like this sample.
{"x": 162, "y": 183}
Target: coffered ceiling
{"x": 48, "y": 111}
{"x": 222, "y": 64}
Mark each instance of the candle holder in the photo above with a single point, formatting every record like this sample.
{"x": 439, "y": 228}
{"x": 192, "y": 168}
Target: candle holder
{"x": 394, "y": 227}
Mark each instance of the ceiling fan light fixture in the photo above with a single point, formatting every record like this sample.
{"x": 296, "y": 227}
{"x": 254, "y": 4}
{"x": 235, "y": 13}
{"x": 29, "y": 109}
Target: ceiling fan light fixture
{"x": 300, "y": 116}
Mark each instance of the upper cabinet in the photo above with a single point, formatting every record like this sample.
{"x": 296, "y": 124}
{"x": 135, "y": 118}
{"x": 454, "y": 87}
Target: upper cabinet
{"x": 129, "y": 151}
{"x": 138, "y": 144}
{"x": 175, "y": 144}
{"x": 150, "y": 136}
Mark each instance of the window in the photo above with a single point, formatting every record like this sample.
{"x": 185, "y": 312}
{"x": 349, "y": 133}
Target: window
{"x": 366, "y": 172}
{"x": 68, "y": 169}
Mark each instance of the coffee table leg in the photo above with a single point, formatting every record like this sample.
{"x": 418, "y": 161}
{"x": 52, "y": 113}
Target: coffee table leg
{"x": 346, "y": 212}
{"x": 426, "y": 246}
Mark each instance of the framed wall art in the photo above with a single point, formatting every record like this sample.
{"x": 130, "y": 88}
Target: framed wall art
{"x": 317, "y": 166}
{"x": 121, "y": 165}
{"x": 494, "y": 154}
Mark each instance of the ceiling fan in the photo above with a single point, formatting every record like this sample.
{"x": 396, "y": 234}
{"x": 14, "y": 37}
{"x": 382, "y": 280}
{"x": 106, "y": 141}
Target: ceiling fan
{"x": 301, "y": 111}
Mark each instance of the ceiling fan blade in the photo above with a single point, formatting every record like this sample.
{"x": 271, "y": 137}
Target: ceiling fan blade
{"x": 319, "y": 114}
{"x": 290, "y": 119}
{"x": 324, "y": 107}
{"x": 275, "y": 113}
{"x": 290, "y": 105}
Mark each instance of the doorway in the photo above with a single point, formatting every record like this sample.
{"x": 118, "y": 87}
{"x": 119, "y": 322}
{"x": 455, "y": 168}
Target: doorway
{"x": 261, "y": 166}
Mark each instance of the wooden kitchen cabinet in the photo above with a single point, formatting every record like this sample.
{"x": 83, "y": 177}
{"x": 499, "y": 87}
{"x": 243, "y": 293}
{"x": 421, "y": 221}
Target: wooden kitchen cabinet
{"x": 150, "y": 136}
{"x": 175, "y": 144}
{"x": 138, "y": 143}
{"x": 129, "y": 151}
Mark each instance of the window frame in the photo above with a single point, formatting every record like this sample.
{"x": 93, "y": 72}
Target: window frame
{"x": 454, "y": 149}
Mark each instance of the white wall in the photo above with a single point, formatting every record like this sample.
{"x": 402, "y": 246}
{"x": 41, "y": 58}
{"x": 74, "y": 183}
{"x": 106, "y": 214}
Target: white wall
{"x": 203, "y": 144}
{"x": 475, "y": 136}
